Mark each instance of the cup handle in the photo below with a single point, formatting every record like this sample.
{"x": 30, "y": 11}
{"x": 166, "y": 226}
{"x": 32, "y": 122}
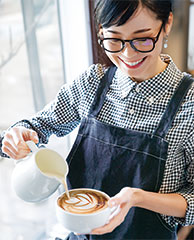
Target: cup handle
{"x": 32, "y": 146}
{"x": 114, "y": 211}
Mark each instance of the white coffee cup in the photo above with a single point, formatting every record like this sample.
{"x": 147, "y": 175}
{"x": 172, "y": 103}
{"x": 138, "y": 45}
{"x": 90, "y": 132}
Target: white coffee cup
{"x": 83, "y": 223}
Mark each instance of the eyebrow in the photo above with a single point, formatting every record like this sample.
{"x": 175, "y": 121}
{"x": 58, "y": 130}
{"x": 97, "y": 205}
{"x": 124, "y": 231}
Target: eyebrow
{"x": 136, "y": 32}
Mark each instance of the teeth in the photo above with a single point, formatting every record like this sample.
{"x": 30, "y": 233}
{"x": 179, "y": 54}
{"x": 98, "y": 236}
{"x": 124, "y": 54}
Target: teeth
{"x": 133, "y": 63}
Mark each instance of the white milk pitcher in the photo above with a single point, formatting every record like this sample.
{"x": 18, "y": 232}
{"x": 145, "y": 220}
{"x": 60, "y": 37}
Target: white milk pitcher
{"x": 37, "y": 176}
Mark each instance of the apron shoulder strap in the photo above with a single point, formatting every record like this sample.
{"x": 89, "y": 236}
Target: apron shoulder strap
{"x": 173, "y": 106}
{"x": 101, "y": 91}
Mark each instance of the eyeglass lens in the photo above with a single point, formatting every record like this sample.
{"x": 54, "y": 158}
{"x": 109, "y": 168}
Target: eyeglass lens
{"x": 115, "y": 45}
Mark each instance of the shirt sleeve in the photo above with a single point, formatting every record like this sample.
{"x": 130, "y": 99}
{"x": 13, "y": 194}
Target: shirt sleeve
{"x": 65, "y": 112}
{"x": 188, "y": 190}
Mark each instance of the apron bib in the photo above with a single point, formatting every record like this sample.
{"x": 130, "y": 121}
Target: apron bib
{"x": 110, "y": 158}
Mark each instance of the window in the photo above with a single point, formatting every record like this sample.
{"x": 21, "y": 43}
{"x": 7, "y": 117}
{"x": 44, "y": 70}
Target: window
{"x": 31, "y": 71}
{"x": 38, "y": 54}
{"x": 191, "y": 38}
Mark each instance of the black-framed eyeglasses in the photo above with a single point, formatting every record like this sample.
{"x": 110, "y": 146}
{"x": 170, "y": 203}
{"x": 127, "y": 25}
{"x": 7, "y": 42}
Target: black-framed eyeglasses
{"x": 143, "y": 45}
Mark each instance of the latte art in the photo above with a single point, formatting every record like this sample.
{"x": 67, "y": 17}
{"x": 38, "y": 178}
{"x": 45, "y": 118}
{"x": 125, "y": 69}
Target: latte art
{"x": 83, "y": 202}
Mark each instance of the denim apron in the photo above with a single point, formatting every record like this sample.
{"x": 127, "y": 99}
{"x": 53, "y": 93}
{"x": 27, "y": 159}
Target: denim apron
{"x": 108, "y": 158}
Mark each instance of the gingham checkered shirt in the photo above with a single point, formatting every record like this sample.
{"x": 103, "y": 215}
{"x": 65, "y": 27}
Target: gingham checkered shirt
{"x": 132, "y": 106}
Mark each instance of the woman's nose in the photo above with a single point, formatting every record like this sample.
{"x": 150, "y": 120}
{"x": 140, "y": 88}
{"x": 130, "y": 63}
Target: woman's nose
{"x": 128, "y": 50}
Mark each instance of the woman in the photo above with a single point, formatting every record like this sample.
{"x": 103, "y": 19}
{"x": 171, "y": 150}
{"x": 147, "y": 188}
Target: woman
{"x": 136, "y": 138}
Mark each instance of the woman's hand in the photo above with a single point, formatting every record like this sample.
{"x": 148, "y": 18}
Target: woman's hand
{"x": 170, "y": 204}
{"x": 126, "y": 198}
{"x": 14, "y": 142}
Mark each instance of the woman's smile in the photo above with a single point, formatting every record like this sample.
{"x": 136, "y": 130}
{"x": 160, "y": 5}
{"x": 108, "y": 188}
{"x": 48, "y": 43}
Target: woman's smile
{"x": 133, "y": 64}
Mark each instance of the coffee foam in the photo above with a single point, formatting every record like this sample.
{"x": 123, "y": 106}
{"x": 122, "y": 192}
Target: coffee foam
{"x": 83, "y": 202}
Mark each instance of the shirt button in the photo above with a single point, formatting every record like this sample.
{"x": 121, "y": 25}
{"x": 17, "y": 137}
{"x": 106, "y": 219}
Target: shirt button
{"x": 151, "y": 100}
{"x": 137, "y": 89}
{"x": 131, "y": 111}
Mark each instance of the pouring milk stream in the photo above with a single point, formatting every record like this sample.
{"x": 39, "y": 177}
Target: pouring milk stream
{"x": 38, "y": 175}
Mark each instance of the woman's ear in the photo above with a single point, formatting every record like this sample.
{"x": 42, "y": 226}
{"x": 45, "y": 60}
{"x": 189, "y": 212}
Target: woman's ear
{"x": 100, "y": 31}
{"x": 168, "y": 25}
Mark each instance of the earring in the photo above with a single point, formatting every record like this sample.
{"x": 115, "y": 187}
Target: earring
{"x": 166, "y": 41}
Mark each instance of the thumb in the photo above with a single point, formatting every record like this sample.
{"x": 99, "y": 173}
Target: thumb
{"x": 34, "y": 136}
{"x": 120, "y": 198}
{"x": 31, "y": 135}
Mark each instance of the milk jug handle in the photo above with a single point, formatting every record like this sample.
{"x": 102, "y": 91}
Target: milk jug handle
{"x": 32, "y": 146}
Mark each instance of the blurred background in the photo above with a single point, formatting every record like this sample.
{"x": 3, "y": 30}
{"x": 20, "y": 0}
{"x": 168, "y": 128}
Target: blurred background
{"x": 44, "y": 44}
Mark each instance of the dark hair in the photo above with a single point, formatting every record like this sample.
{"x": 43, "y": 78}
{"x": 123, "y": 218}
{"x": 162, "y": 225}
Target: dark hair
{"x": 117, "y": 12}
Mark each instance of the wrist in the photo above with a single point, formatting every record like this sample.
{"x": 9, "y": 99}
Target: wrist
{"x": 138, "y": 197}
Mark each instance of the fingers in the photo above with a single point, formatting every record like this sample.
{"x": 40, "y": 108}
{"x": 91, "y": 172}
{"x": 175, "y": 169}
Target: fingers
{"x": 23, "y": 134}
{"x": 125, "y": 199}
{"x": 17, "y": 153}
{"x": 114, "y": 222}
{"x": 122, "y": 197}
{"x": 14, "y": 142}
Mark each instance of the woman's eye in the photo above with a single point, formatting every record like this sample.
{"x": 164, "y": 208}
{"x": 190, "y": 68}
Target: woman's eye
{"x": 114, "y": 40}
{"x": 143, "y": 41}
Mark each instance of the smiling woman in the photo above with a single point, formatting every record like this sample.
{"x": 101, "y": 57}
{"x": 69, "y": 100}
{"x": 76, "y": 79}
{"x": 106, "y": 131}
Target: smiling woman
{"x": 142, "y": 55}
{"x": 135, "y": 137}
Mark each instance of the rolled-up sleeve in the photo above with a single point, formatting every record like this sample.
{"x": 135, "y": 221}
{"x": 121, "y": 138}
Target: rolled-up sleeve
{"x": 189, "y": 197}
{"x": 188, "y": 190}
{"x": 65, "y": 112}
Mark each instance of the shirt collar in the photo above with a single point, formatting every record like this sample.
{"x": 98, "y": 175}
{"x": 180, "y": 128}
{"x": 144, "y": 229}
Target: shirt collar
{"x": 153, "y": 88}
{"x": 122, "y": 84}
